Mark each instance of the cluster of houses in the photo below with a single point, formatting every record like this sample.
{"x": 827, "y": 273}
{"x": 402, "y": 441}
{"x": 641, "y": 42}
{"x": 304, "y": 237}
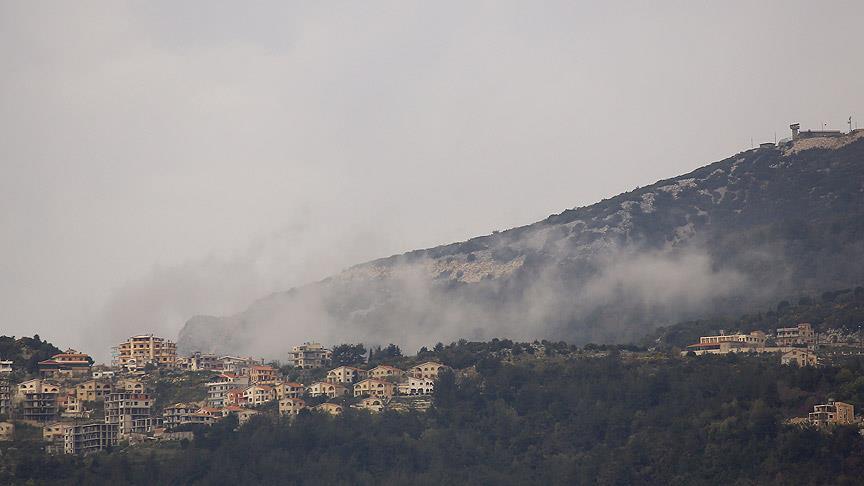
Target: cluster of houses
{"x": 83, "y": 410}
{"x": 796, "y": 345}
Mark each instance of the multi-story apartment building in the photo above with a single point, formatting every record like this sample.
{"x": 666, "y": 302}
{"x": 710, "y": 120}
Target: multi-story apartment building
{"x": 800, "y": 335}
{"x": 92, "y": 390}
{"x": 832, "y": 413}
{"x": 428, "y": 370}
{"x": 187, "y": 413}
{"x": 217, "y": 390}
{"x": 199, "y": 362}
{"x": 54, "y": 435}
{"x": 129, "y": 410}
{"x": 375, "y": 388}
{"x": 236, "y": 365}
{"x": 5, "y": 396}
{"x": 417, "y": 386}
{"x": 39, "y": 400}
{"x": 70, "y": 363}
{"x": 88, "y": 438}
{"x": 139, "y": 351}
{"x": 325, "y": 389}
{"x": 258, "y": 395}
{"x": 310, "y": 355}
{"x": 346, "y": 374}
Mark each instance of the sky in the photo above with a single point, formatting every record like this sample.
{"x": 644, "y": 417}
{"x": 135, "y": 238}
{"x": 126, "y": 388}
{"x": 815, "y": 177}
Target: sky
{"x": 164, "y": 159}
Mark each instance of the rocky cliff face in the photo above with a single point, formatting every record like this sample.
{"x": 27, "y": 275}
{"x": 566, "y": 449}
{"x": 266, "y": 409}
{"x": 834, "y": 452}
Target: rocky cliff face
{"x": 731, "y": 236}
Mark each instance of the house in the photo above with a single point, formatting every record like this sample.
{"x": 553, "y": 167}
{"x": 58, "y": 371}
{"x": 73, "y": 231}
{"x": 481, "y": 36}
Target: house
{"x": 417, "y": 386}
{"x": 375, "y": 388}
{"x": 106, "y": 374}
{"x": 217, "y": 390}
{"x": 258, "y": 395}
{"x": 262, "y": 374}
{"x": 206, "y": 416}
{"x": 291, "y": 406}
{"x": 129, "y": 385}
{"x": 331, "y": 408}
{"x": 70, "y": 363}
{"x": 139, "y": 351}
{"x": 800, "y": 357}
{"x": 89, "y": 438}
{"x": 384, "y": 372}
{"x": 92, "y": 390}
{"x": 5, "y": 366}
{"x": 310, "y": 355}
{"x": 429, "y": 369}
{"x": 235, "y": 396}
{"x": 346, "y": 375}
{"x": 372, "y": 404}
{"x": 800, "y": 335}
{"x": 832, "y": 413}
{"x": 245, "y": 416}
{"x": 730, "y": 343}
{"x": 40, "y": 400}
{"x": 289, "y": 389}
{"x": 7, "y": 431}
{"x": 323, "y": 388}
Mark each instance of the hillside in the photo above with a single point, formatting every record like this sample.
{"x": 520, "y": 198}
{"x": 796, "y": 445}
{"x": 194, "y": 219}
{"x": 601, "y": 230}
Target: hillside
{"x": 26, "y": 352}
{"x": 731, "y": 237}
{"x": 563, "y": 418}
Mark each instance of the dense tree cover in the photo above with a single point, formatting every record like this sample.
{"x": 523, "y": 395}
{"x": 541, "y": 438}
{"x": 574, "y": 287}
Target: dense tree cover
{"x": 348, "y": 354}
{"x": 26, "y": 352}
{"x": 838, "y": 309}
{"x": 564, "y": 419}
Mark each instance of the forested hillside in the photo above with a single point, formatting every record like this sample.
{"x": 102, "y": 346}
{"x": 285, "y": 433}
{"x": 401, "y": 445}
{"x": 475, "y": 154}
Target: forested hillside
{"x": 563, "y": 417}
{"x": 26, "y": 352}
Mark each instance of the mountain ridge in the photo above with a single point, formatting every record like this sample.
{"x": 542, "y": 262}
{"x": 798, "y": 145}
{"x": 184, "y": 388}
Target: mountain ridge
{"x": 722, "y": 228}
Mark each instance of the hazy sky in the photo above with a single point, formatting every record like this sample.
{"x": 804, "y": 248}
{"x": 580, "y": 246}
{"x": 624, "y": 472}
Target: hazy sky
{"x": 162, "y": 159}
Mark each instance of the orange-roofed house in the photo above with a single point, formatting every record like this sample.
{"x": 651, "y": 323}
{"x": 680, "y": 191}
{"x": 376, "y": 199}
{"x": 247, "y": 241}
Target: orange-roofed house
{"x": 262, "y": 374}
{"x": 70, "y": 363}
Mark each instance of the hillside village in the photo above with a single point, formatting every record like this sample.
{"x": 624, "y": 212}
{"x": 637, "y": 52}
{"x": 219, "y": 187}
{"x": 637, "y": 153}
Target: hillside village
{"x": 81, "y": 408}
